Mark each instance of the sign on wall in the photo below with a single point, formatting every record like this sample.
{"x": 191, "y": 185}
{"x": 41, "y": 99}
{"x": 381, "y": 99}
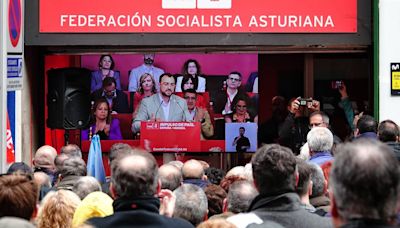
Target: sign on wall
{"x": 14, "y": 24}
{"x": 395, "y": 78}
{"x": 198, "y": 16}
{"x": 14, "y": 72}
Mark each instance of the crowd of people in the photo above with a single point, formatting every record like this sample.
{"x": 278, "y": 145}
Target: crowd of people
{"x": 352, "y": 184}
{"x": 157, "y": 95}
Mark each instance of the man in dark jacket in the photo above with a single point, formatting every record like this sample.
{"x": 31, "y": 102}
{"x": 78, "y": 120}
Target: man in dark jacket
{"x": 134, "y": 184}
{"x": 275, "y": 176}
{"x": 364, "y": 185}
{"x": 117, "y": 99}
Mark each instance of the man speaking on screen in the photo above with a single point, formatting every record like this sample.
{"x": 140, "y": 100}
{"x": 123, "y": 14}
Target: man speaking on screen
{"x": 162, "y": 106}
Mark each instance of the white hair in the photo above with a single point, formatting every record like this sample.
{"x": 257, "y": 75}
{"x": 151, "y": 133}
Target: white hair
{"x": 320, "y": 139}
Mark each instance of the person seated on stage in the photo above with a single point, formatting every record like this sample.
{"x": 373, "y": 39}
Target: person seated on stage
{"x": 147, "y": 87}
{"x": 162, "y": 106}
{"x": 198, "y": 114}
{"x": 117, "y": 99}
{"x": 187, "y": 83}
{"x": 240, "y": 113}
{"x": 102, "y": 123}
{"x": 225, "y": 100}
{"x": 191, "y": 70}
{"x": 146, "y": 67}
{"x": 106, "y": 69}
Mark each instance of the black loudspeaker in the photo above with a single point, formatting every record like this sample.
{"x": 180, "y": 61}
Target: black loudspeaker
{"x": 68, "y": 98}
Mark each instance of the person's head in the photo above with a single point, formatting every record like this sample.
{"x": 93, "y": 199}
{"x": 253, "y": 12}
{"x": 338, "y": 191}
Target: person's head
{"x": 234, "y": 80}
{"x": 190, "y": 96}
{"x": 170, "y": 177}
{"x": 191, "y": 204}
{"x": 366, "y": 123}
{"x": 57, "y": 209}
{"x": 167, "y": 84}
{"x": 304, "y": 185}
{"x": 388, "y": 131}
{"x": 86, "y": 185}
{"x": 240, "y": 195}
{"x": 71, "y": 150}
{"x": 274, "y": 169}
{"x": 319, "y": 186}
{"x": 42, "y": 179}
{"x": 59, "y": 161}
{"x": 215, "y": 196}
{"x": 119, "y": 149}
{"x": 318, "y": 119}
{"x": 101, "y": 110}
{"x": 242, "y": 130}
{"x": 109, "y": 87}
{"x": 191, "y": 67}
{"x": 44, "y": 158}
{"x": 189, "y": 83}
{"x": 214, "y": 175}
{"x": 134, "y": 175}
{"x": 319, "y": 139}
{"x": 18, "y": 196}
{"x": 228, "y": 180}
{"x": 147, "y": 83}
{"x": 96, "y": 204}
{"x": 279, "y": 106}
{"x": 240, "y": 107}
{"x": 73, "y": 166}
{"x": 192, "y": 169}
{"x": 106, "y": 62}
{"x": 177, "y": 164}
{"x": 19, "y": 167}
{"x": 148, "y": 58}
{"x": 364, "y": 182}
{"x": 216, "y": 223}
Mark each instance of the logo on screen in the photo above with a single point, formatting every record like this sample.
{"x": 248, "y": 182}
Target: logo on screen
{"x": 201, "y": 4}
{"x": 152, "y": 125}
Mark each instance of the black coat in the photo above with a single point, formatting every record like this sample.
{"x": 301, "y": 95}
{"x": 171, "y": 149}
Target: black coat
{"x": 138, "y": 212}
{"x": 285, "y": 209}
{"x": 120, "y": 101}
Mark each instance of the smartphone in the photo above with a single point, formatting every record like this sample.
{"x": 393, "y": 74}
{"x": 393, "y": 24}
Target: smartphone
{"x": 336, "y": 84}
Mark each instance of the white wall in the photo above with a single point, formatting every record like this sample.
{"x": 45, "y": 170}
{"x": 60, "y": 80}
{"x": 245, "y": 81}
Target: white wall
{"x": 389, "y": 52}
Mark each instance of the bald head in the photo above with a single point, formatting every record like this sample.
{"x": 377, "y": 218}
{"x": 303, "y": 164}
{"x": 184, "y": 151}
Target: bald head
{"x": 134, "y": 175}
{"x": 192, "y": 169}
{"x": 170, "y": 177}
{"x": 44, "y": 157}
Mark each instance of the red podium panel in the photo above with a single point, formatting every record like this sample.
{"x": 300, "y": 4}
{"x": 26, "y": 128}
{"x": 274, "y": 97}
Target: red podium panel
{"x": 170, "y": 136}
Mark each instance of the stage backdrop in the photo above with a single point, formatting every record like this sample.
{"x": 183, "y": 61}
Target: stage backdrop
{"x": 211, "y": 64}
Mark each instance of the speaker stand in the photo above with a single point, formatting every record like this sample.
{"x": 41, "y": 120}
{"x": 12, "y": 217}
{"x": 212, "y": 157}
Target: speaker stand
{"x": 66, "y": 136}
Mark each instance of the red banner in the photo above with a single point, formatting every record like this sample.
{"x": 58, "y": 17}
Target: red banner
{"x": 170, "y": 136}
{"x": 10, "y": 144}
{"x": 198, "y": 16}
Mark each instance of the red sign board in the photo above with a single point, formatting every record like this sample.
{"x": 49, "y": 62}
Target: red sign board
{"x": 170, "y": 136}
{"x": 198, "y": 16}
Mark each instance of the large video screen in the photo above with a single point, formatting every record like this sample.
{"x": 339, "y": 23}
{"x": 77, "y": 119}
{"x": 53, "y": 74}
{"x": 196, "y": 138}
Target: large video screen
{"x": 214, "y": 91}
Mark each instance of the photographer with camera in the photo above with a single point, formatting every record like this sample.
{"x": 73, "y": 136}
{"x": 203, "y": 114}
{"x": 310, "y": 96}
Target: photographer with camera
{"x": 117, "y": 99}
{"x": 293, "y": 131}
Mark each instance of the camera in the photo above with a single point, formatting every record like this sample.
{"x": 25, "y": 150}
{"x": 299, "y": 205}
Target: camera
{"x": 336, "y": 84}
{"x": 304, "y": 101}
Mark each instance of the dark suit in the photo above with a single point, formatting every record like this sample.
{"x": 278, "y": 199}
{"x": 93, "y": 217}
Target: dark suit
{"x": 119, "y": 102}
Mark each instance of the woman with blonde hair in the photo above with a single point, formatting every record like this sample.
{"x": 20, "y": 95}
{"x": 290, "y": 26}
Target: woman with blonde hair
{"x": 147, "y": 87}
{"x": 57, "y": 209}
